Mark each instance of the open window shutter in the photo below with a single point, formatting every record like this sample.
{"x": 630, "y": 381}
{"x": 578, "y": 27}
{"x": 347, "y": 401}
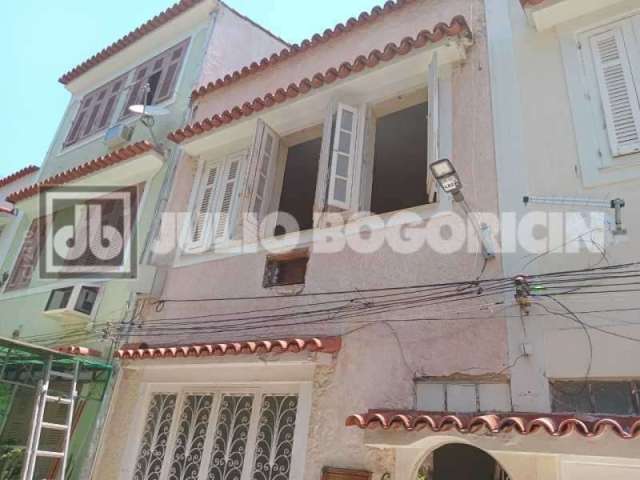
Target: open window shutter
{"x": 366, "y": 169}
{"x": 201, "y": 220}
{"x": 620, "y": 101}
{"x": 259, "y": 178}
{"x": 343, "y": 157}
{"x": 433, "y": 127}
{"x": 28, "y": 257}
{"x": 135, "y": 89}
{"x": 227, "y": 202}
{"x": 171, "y": 71}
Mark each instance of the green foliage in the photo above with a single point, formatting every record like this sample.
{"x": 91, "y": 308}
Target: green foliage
{"x": 10, "y": 462}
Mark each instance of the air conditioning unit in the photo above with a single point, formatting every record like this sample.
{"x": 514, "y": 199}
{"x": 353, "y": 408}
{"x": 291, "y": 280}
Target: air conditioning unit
{"x": 74, "y": 302}
{"x": 117, "y": 135}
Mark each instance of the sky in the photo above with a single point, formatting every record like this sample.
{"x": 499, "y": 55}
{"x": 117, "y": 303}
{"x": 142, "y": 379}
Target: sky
{"x": 42, "y": 39}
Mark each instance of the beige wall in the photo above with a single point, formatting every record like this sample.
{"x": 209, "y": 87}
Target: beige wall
{"x": 376, "y": 366}
{"x": 540, "y": 124}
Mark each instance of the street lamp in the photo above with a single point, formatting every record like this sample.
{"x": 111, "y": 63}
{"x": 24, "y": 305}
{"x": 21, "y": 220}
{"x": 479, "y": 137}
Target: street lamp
{"x": 450, "y": 182}
{"x": 448, "y": 178}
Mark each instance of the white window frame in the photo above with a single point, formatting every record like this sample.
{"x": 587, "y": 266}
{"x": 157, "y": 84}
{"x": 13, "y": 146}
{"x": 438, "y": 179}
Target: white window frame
{"x": 597, "y": 162}
{"x": 301, "y": 389}
{"x": 222, "y": 161}
{"x": 442, "y": 206}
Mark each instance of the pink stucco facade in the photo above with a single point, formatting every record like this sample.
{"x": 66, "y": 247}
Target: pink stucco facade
{"x": 380, "y": 356}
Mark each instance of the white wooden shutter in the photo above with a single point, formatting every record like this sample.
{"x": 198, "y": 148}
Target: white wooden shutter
{"x": 433, "y": 127}
{"x": 201, "y": 219}
{"x": 343, "y": 157}
{"x": 258, "y": 185}
{"x": 228, "y": 198}
{"x": 618, "y": 93}
{"x": 366, "y": 168}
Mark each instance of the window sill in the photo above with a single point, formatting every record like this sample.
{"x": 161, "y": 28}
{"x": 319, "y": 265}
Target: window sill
{"x": 305, "y": 238}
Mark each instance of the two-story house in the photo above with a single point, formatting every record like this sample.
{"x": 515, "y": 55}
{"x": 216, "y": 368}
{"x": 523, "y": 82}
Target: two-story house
{"x": 66, "y": 221}
{"x": 311, "y": 278}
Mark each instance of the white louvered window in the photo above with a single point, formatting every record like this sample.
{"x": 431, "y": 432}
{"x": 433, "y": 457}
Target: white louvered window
{"x": 214, "y": 211}
{"x": 615, "y": 59}
{"x": 218, "y": 434}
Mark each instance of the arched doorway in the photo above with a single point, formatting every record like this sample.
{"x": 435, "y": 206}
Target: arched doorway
{"x": 458, "y": 461}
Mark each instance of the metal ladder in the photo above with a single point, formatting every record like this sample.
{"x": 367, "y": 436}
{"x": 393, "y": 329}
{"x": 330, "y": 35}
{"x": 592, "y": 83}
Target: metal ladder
{"x": 38, "y": 424}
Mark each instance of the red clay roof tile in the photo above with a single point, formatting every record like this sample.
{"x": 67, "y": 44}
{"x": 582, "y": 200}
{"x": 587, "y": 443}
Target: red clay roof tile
{"x": 142, "y": 351}
{"x": 554, "y": 424}
{"x": 530, "y": 3}
{"x": 317, "y": 39}
{"x": 9, "y": 210}
{"x": 83, "y": 170}
{"x": 78, "y": 350}
{"x": 457, "y": 27}
{"x": 18, "y": 175}
{"x": 131, "y": 37}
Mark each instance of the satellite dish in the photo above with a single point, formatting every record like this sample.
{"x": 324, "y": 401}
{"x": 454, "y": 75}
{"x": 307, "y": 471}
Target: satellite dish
{"x": 149, "y": 110}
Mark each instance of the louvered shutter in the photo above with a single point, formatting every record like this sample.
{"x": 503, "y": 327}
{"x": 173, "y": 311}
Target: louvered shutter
{"x": 618, "y": 93}
{"x": 433, "y": 127}
{"x": 227, "y": 202}
{"x": 135, "y": 89}
{"x": 343, "y": 157}
{"x": 171, "y": 71}
{"x": 201, "y": 219}
{"x": 258, "y": 185}
{"x": 99, "y": 101}
{"x": 109, "y": 105}
{"x": 366, "y": 167}
{"x": 28, "y": 258}
{"x": 80, "y": 120}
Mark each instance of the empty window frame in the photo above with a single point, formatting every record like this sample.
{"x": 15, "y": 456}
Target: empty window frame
{"x": 400, "y": 160}
{"x": 461, "y": 396}
{"x": 299, "y": 186}
{"x": 218, "y": 435}
{"x": 286, "y": 269}
{"x": 608, "y": 397}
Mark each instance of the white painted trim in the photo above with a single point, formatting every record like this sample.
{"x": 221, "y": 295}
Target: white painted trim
{"x": 598, "y": 165}
{"x": 550, "y": 14}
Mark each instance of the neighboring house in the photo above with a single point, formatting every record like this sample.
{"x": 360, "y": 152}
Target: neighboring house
{"x": 566, "y": 105}
{"x": 259, "y": 346}
{"x": 8, "y": 214}
{"x": 105, "y": 149}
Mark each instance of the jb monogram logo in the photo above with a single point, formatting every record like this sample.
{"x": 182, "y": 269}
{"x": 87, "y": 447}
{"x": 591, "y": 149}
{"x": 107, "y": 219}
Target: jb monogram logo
{"x": 88, "y": 232}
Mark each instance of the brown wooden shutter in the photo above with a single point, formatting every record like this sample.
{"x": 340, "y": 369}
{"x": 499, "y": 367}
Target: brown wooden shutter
{"x": 28, "y": 257}
{"x": 135, "y": 94}
{"x": 110, "y": 103}
{"x": 80, "y": 121}
{"x": 169, "y": 78}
